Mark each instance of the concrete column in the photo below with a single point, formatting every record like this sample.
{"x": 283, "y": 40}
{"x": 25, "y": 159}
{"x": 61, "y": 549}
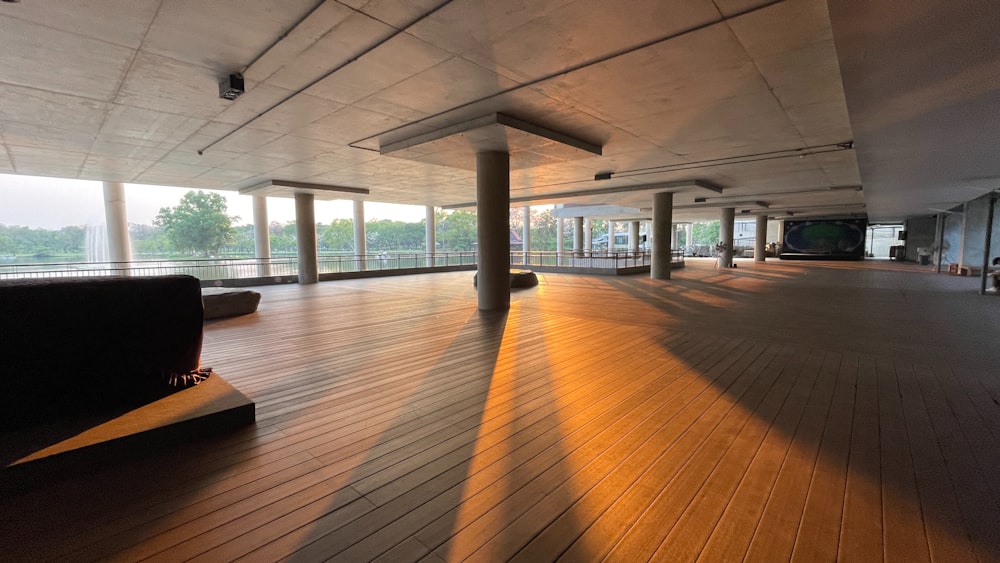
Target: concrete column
{"x": 526, "y": 233}
{"x": 611, "y": 236}
{"x": 119, "y": 246}
{"x": 689, "y": 234}
{"x": 305, "y": 234}
{"x": 760, "y": 243}
{"x": 577, "y": 236}
{"x": 781, "y": 236}
{"x": 991, "y": 202}
{"x": 663, "y": 211}
{"x": 633, "y": 236}
{"x": 673, "y": 237}
{"x": 493, "y": 213}
{"x": 961, "y": 238}
{"x": 939, "y": 241}
{"x": 360, "y": 240}
{"x": 429, "y": 233}
{"x": 560, "y": 240}
{"x": 727, "y": 224}
{"x": 261, "y": 236}
{"x": 588, "y": 236}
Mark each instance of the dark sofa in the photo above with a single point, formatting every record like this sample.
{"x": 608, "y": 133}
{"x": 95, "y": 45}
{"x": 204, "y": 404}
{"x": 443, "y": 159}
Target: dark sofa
{"x": 83, "y": 345}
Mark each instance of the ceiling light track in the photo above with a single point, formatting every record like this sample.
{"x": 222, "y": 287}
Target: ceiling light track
{"x": 334, "y": 70}
{"x": 659, "y": 186}
{"x": 725, "y": 161}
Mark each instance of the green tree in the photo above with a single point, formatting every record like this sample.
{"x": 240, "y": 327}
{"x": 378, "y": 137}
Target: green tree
{"x": 243, "y": 241}
{"x": 388, "y": 236}
{"x": 543, "y": 230}
{"x": 457, "y": 231}
{"x": 706, "y": 234}
{"x": 199, "y": 224}
{"x": 339, "y": 235}
{"x": 283, "y": 237}
{"x": 148, "y": 240}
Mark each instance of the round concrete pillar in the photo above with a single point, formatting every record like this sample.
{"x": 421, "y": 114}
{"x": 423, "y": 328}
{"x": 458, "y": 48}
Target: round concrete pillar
{"x": 663, "y": 211}
{"x": 119, "y": 246}
{"x": 588, "y": 236}
{"x": 493, "y": 220}
{"x": 633, "y": 236}
{"x": 305, "y": 234}
{"x": 360, "y": 238}
{"x": 727, "y": 223}
{"x": 560, "y": 239}
{"x": 261, "y": 236}
{"x": 760, "y": 243}
{"x": 526, "y": 233}
{"x": 577, "y": 236}
{"x": 429, "y": 232}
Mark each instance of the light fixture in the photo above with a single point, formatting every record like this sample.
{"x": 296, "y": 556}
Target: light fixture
{"x": 603, "y": 175}
{"x": 231, "y": 87}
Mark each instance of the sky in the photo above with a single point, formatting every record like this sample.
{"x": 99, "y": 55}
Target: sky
{"x": 53, "y": 203}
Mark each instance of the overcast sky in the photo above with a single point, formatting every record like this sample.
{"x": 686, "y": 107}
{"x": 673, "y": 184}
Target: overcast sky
{"x": 53, "y": 203}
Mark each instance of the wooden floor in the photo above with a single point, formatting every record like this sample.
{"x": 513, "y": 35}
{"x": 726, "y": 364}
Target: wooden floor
{"x": 774, "y": 412}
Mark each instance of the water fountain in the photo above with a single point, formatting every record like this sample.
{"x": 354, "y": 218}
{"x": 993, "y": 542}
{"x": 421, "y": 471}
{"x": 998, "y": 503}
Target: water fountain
{"x": 96, "y": 243}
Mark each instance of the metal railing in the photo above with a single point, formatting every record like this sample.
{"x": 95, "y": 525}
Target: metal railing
{"x": 584, "y": 259}
{"x": 246, "y": 268}
{"x": 239, "y": 268}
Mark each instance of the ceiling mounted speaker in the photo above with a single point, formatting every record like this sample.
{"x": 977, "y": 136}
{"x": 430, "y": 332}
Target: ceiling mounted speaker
{"x": 232, "y": 87}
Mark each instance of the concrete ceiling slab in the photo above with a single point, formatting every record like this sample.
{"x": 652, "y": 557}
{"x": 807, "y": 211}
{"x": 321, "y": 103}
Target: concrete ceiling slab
{"x": 33, "y": 106}
{"x": 114, "y": 168}
{"x": 348, "y": 35}
{"x": 34, "y": 161}
{"x": 379, "y": 69}
{"x": 171, "y": 86}
{"x": 47, "y": 137}
{"x": 591, "y": 30}
{"x": 189, "y": 30}
{"x": 83, "y": 66}
{"x": 923, "y": 87}
{"x": 108, "y": 90}
{"x": 397, "y": 13}
{"x": 87, "y": 18}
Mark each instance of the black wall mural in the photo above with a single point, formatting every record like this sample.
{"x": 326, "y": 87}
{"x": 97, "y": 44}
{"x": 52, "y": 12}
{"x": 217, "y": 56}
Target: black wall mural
{"x": 824, "y": 239}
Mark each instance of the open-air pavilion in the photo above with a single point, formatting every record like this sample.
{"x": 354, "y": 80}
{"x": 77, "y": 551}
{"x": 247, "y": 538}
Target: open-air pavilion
{"x": 780, "y": 410}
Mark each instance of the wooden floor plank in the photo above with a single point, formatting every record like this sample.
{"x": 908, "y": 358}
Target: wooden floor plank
{"x": 819, "y": 528}
{"x": 273, "y": 550}
{"x": 862, "y": 532}
{"x": 947, "y": 537}
{"x": 693, "y": 528}
{"x": 774, "y": 536}
{"x": 683, "y": 433}
{"x": 904, "y": 536}
{"x": 596, "y": 480}
{"x": 974, "y": 496}
{"x": 500, "y": 499}
{"x": 730, "y": 536}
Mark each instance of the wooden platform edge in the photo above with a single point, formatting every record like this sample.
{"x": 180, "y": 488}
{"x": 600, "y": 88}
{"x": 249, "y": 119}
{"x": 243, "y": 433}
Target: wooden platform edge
{"x": 208, "y": 409}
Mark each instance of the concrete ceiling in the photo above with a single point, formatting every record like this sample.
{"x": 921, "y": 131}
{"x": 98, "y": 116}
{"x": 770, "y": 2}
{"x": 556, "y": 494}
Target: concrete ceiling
{"x": 746, "y": 95}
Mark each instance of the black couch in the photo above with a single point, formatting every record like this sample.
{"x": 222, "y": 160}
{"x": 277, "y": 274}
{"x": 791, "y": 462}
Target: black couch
{"x": 84, "y": 345}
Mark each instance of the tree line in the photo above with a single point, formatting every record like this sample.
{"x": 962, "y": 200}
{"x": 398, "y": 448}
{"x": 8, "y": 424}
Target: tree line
{"x": 199, "y": 226}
